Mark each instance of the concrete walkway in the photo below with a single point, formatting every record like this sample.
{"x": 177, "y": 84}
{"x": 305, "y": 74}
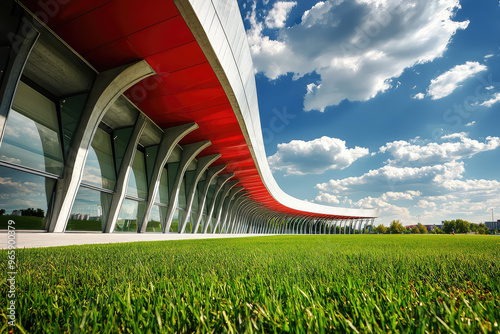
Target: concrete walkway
{"x": 33, "y": 240}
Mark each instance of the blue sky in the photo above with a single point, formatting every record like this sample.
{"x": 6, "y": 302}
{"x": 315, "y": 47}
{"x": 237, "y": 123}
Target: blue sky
{"x": 378, "y": 104}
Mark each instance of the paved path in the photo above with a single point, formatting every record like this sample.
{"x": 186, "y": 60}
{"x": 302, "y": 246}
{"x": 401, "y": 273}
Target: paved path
{"x": 32, "y": 240}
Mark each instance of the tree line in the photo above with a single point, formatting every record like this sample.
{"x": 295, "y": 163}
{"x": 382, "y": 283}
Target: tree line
{"x": 449, "y": 227}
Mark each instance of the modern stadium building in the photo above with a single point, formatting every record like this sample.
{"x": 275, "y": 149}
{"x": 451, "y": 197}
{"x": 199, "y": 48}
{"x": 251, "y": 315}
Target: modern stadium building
{"x": 139, "y": 116}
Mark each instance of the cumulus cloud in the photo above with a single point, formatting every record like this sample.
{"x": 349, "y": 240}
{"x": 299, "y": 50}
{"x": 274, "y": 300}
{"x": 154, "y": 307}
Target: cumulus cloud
{"x": 396, "y": 178}
{"x": 385, "y": 208}
{"x": 277, "y": 16}
{"x": 395, "y": 196}
{"x": 495, "y": 99}
{"x": 418, "y": 96}
{"x": 425, "y": 204}
{"x": 470, "y": 123}
{"x": 327, "y": 198}
{"x": 314, "y": 157}
{"x": 447, "y": 82}
{"x": 356, "y": 47}
{"x": 432, "y": 153}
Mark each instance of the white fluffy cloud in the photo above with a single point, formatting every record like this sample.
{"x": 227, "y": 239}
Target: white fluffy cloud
{"x": 357, "y": 47}
{"x": 436, "y": 171}
{"x": 277, "y": 16}
{"x": 399, "y": 178}
{"x": 327, "y": 198}
{"x": 447, "y": 82}
{"x": 314, "y": 157}
{"x": 432, "y": 153}
{"x": 418, "y": 96}
{"x": 495, "y": 99}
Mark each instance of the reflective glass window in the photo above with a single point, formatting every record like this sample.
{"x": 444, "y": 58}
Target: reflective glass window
{"x": 24, "y": 198}
{"x": 162, "y": 192}
{"x": 89, "y": 211}
{"x": 99, "y": 168}
{"x": 182, "y": 195}
{"x": 121, "y": 138}
{"x": 175, "y": 221}
{"x": 71, "y": 109}
{"x": 156, "y": 216}
{"x": 31, "y": 136}
{"x": 130, "y": 213}
{"x": 137, "y": 183}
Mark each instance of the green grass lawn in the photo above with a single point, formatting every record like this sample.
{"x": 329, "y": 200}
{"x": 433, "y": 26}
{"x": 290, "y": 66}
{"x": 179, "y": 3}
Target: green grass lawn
{"x": 22, "y": 222}
{"x": 291, "y": 284}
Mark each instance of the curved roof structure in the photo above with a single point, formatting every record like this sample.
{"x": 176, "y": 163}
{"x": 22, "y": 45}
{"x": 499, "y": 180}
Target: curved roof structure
{"x": 204, "y": 74}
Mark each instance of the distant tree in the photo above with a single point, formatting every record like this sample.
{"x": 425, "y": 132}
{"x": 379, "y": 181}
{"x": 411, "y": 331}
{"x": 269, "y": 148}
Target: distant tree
{"x": 496, "y": 232}
{"x": 415, "y": 230}
{"x": 436, "y": 230}
{"x": 481, "y": 230}
{"x": 381, "y": 229}
{"x": 449, "y": 226}
{"x": 422, "y": 228}
{"x": 396, "y": 227}
{"x": 31, "y": 212}
{"x": 2, "y": 211}
{"x": 463, "y": 226}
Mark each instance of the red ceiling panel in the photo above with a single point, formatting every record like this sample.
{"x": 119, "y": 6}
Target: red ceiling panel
{"x": 112, "y": 33}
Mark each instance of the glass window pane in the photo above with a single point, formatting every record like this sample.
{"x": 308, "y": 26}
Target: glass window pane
{"x": 31, "y": 136}
{"x": 151, "y": 153}
{"x": 195, "y": 205}
{"x": 89, "y": 211}
{"x": 71, "y": 109}
{"x": 162, "y": 192}
{"x": 130, "y": 213}
{"x": 24, "y": 198}
{"x": 121, "y": 138}
{"x": 182, "y": 195}
{"x": 157, "y": 216}
{"x": 99, "y": 168}
{"x": 175, "y": 221}
{"x": 137, "y": 183}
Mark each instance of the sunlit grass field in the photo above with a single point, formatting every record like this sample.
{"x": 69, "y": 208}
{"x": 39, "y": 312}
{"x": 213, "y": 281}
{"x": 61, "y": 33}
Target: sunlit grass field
{"x": 291, "y": 284}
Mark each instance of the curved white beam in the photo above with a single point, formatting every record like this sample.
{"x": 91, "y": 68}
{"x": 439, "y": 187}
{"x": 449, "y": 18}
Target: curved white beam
{"x": 218, "y": 28}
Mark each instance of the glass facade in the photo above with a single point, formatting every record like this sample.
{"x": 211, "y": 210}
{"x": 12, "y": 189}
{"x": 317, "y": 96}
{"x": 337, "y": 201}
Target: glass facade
{"x": 99, "y": 168}
{"x": 137, "y": 183}
{"x": 156, "y": 218}
{"x": 131, "y": 213}
{"x": 24, "y": 198}
{"x": 31, "y": 136}
{"x": 89, "y": 211}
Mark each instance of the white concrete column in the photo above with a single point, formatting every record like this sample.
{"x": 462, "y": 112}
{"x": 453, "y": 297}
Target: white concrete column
{"x": 221, "y": 181}
{"x": 124, "y": 173}
{"x": 203, "y": 164}
{"x": 212, "y": 173}
{"x": 188, "y": 154}
{"x": 108, "y": 87}
{"x": 227, "y": 188}
{"x": 171, "y": 137}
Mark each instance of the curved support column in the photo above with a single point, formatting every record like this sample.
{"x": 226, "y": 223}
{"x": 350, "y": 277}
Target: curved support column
{"x": 224, "y": 198}
{"x": 107, "y": 89}
{"x": 203, "y": 164}
{"x": 231, "y": 202}
{"x": 123, "y": 175}
{"x": 188, "y": 154}
{"x": 170, "y": 139}
{"x": 221, "y": 181}
{"x": 238, "y": 200}
{"x": 212, "y": 173}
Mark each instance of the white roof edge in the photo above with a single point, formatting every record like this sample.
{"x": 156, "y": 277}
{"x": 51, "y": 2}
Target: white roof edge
{"x": 208, "y": 20}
